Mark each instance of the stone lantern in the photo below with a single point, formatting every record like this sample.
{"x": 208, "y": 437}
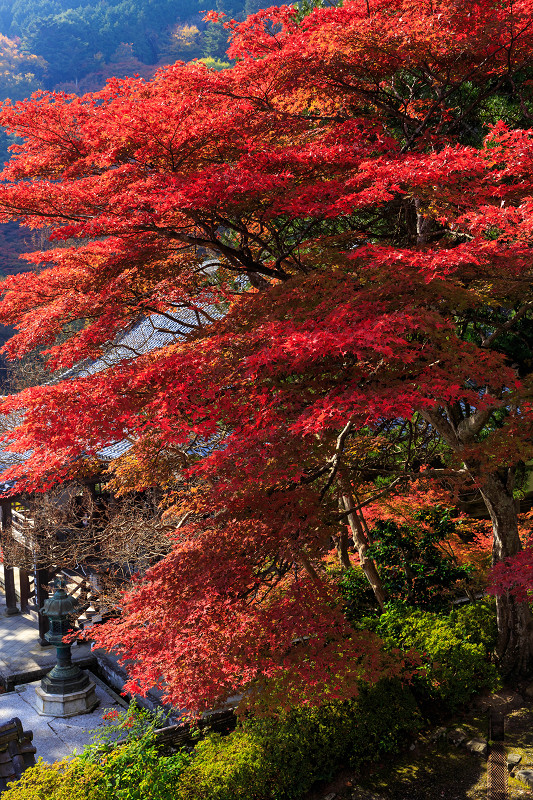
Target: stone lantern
{"x": 66, "y": 690}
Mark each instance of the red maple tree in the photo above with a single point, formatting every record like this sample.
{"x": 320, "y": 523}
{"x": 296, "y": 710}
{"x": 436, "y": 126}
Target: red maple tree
{"x": 366, "y": 219}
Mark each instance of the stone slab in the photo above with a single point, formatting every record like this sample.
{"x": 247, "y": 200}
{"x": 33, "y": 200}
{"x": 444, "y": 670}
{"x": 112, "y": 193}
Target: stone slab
{"x": 457, "y": 737}
{"x": 478, "y": 747}
{"x": 438, "y": 735}
{"x": 513, "y": 759}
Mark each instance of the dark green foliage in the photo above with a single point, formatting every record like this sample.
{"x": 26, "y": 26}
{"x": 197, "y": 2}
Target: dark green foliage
{"x": 516, "y": 344}
{"x": 70, "y": 37}
{"x": 455, "y": 649}
{"x": 411, "y": 561}
{"x": 75, "y": 39}
{"x": 359, "y": 599}
{"x": 278, "y": 759}
{"x": 305, "y": 7}
{"x": 215, "y": 41}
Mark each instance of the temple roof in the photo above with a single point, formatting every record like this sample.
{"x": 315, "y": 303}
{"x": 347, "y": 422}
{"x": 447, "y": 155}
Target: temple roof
{"x": 16, "y": 751}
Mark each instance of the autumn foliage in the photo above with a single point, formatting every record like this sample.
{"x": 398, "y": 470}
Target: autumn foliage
{"x": 366, "y": 218}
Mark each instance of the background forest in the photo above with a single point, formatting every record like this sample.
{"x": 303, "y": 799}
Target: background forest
{"x": 62, "y": 46}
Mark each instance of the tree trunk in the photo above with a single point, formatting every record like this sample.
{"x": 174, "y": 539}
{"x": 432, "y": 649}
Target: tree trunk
{"x": 360, "y": 541}
{"x": 341, "y": 545}
{"x": 515, "y": 622}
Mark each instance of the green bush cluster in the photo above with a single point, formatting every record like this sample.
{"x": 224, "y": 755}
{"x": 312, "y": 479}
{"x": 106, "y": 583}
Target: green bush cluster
{"x": 277, "y": 759}
{"x": 122, "y": 763}
{"x": 130, "y": 772}
{"x": 266, "y": 759}
{"x": 455, "y": 650}
{"x": 65, "y": 780}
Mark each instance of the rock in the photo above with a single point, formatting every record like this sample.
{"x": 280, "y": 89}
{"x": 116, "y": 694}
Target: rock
{"x": 513, "y": 759}
{"x": 330, "y": 796}
{"x": 438, "y": 734}
{"x": 478, "y": 747}
{"x": 525, "y": 776}
{"x": 457, "y": 736}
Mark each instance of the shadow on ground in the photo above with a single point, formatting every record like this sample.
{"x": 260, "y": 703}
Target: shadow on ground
{"x": 437, "y": 770}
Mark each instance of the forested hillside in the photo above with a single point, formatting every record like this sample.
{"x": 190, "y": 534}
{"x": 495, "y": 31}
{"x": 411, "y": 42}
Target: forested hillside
{"x": 65, "y": 46}
{"x": 78, "y": 39}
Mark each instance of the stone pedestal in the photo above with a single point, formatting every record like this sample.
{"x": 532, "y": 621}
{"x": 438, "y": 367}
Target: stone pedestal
{"x": 66, "y": 705}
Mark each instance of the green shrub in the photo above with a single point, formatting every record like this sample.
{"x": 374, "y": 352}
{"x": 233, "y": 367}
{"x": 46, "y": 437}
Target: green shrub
{"x": 477, "y": 621}
{"x": 64, "y": 780}
{"x": 127, "y": 772}
{"x": 278, "y": 759}
{"x": 359, "y": 599}
{"x": 226, "y": 769}
{"x": 455, "y": 649}
{"x": 134, "y": 769}
{"x": 266, "y": 759}
{"x": 411, "y": 561}
{"x": 130, "y": 770}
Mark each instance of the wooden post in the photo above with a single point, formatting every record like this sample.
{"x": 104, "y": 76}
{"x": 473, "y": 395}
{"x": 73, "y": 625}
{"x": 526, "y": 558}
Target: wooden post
{"x": 24, "y": 580}
{"x": 9, "y": 586}
{"x": 42, "y": 578}
{"x": 9, "y": 577}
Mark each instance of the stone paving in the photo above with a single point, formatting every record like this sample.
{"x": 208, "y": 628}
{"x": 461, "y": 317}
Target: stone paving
{"x": 53, "y": 737}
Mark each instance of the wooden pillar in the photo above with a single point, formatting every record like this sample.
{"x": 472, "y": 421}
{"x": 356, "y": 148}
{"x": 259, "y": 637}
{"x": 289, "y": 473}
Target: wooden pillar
{"x": 42, "y": 578}
{"x": 24, "y": 580}
{"x": 9, "y": 577}
{"x": 9, "y": 586}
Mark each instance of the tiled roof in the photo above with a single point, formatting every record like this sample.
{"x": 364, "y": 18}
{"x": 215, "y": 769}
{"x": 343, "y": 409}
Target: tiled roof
{"x": 143, "y": 336}
{"x": 16, "y": 751}
{"x": 115, "y": 450}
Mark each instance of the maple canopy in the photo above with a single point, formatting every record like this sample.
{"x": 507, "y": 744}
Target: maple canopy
{"x": 345, "y": 225}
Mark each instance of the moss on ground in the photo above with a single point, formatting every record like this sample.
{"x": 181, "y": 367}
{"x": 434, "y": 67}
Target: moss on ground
{"x": 519, "y": 739}
{"x": 432, "y": 772}
{"x": 437, "y": 770}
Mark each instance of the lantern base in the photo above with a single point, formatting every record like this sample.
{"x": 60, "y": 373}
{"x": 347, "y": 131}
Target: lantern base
{"x": 66, "y": 705}
{"x": 65, "y": 679}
